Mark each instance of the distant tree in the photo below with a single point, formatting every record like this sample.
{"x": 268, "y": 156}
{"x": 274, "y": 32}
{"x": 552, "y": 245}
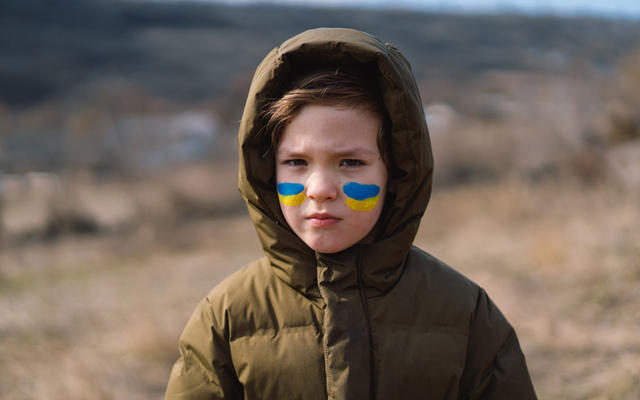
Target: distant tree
{"x": 623, "y": 111}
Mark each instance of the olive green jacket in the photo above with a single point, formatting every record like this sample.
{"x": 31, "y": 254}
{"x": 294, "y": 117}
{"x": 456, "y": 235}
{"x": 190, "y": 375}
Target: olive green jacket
{"x": 380, "y": 320}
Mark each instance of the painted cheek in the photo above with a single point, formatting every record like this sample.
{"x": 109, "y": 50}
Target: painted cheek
{"x": 291, "y": 194}
{"x": 361, "y": 197}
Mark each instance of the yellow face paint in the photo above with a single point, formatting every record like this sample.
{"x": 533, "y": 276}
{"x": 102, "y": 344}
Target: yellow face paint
{"x": 361, "y": 197}
{"x": 291, "y": 194}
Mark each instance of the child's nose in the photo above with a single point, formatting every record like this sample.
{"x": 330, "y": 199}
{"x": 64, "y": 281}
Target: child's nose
{"x": 321, "y": 186}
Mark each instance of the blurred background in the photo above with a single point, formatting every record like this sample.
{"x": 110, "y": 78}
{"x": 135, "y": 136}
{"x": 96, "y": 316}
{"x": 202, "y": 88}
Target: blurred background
{"x": 118, "y": 200}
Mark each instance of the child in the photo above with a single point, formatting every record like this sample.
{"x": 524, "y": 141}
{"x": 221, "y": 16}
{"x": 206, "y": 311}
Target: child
{"x": 336, "y": 170}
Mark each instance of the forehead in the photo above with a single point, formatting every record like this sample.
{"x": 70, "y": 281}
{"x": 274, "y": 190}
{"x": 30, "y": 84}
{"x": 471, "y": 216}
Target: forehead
{"x": 332, "y": 128}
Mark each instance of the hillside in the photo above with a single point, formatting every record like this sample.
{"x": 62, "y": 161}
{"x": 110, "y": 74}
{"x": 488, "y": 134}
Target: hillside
{"x": 192, "y": 52}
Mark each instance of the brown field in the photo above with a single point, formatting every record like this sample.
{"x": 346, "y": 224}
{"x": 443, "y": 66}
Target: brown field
{"x": 98, "y": 316}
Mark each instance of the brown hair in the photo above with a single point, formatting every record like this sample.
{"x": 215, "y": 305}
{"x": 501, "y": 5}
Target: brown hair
{"x": 328, "y": 87}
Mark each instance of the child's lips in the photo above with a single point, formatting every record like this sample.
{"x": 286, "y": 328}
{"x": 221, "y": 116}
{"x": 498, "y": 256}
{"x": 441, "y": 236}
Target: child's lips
{"x": 322, "y": 220}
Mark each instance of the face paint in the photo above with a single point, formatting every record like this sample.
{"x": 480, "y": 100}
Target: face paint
{"x": 291, "y": 194}
{"x": 361, "y": 197}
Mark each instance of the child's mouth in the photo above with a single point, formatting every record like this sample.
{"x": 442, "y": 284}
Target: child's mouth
{"x": 322, "y": 220}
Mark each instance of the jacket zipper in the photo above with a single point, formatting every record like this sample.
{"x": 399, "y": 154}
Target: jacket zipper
{"x": 327, "y": 370}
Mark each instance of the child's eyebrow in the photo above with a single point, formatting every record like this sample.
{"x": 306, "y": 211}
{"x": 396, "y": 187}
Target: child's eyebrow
{"x": 284, "y": 152}
{"x": 354, "y": 152}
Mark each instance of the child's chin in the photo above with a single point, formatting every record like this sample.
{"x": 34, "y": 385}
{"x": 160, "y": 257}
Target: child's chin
{"x": 328, "y": 248}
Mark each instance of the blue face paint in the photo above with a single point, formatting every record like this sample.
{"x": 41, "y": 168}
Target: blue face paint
{"x": 291, "y": 194}
{"x": 361, "y": 197}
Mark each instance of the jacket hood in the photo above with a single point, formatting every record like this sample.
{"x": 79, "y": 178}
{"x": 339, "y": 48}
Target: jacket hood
{"x": 409, "y": 185}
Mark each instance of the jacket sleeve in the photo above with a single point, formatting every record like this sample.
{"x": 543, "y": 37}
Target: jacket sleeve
{"x": 204, "y": 369}
{"x": 495, "y": 367}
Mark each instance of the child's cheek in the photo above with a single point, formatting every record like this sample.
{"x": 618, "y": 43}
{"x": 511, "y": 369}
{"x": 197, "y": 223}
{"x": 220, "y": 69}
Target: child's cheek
{"x": 291, "y": 194}
{"x": 361, "y": 197}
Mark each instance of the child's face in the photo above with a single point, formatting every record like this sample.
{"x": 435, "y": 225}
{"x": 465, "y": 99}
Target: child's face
{"x": 331, "y": 176}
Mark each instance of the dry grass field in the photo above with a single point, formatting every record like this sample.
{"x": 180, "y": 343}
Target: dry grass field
{"x": 98, "y": 316}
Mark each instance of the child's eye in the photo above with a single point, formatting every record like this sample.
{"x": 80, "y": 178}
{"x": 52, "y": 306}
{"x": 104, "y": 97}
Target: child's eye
{"x": 296, "y": 162}
{"x": 351, "y": 163}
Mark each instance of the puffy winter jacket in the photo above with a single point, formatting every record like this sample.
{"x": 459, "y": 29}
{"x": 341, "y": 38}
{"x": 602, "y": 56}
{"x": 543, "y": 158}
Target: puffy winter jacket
{"x": 380, "y": 320}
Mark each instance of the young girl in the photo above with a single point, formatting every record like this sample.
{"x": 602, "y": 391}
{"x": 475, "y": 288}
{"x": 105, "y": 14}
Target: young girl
{"x": 336, "y": 171}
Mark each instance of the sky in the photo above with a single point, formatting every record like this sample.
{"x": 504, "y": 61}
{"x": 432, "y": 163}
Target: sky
{"x": 608, "y": 8}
